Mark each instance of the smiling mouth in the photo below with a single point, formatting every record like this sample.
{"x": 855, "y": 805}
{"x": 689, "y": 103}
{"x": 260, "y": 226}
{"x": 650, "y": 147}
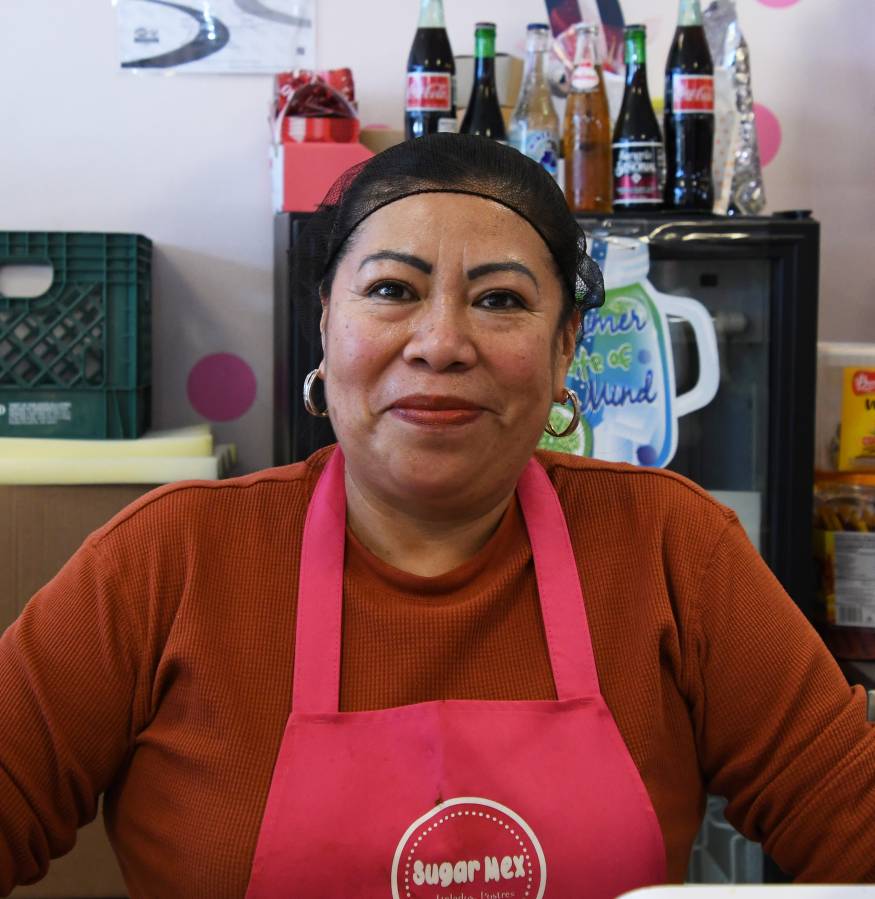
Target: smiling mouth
{"x": 436, "y": 411}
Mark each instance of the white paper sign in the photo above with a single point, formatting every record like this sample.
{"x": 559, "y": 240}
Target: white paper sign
{"x": 261, "y": 36}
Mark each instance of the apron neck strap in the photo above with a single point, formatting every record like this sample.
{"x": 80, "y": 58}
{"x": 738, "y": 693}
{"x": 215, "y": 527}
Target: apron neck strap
{"x": 316, "y": 686}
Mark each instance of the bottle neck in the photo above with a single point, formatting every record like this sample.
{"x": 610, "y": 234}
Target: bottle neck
{"x": 484, "y": 56}
{"x": 536, "y": 61}
{"x": 689, "y": 13}
{"x": 636, "y": 59}
{"x": 484, "y": 69}
{"x": 586, "y": 50}
{"x": 636, "y": 74}
{"x": 431, "y": 14}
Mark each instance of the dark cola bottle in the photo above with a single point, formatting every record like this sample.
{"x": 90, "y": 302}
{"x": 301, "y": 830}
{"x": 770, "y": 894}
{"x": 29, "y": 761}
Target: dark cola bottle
{"x": 689, "y": 114}
{"x": 483, "y": 114}
{"x": 431, "y": 75}
{"x": 637, "y": 144}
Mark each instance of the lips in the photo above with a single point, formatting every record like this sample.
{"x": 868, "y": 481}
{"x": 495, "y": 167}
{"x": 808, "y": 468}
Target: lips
{"x": 435, "y": 410}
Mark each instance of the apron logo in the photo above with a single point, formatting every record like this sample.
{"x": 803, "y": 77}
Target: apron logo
{"x": 500, "y": 857}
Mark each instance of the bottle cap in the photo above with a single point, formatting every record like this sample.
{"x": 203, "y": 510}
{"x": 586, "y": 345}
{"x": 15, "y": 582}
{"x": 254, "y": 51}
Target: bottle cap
{"x": 537, "y": 26}
{"x": 587, "y": 27}
{"x": 628, "y": 29}
{"x": 485, "y": 26}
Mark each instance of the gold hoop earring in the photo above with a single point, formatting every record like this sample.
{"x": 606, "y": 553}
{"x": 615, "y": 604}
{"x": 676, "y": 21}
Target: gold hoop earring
{"x": 309, "y": 405}
{"x": 570, "y": 396}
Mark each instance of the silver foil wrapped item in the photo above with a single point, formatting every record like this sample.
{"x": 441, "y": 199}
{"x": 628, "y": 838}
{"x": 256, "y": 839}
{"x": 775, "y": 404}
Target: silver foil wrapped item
{"x": 738, "y": 176}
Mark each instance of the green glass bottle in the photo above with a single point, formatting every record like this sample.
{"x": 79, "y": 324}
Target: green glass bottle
{"x": 483, "y": 115}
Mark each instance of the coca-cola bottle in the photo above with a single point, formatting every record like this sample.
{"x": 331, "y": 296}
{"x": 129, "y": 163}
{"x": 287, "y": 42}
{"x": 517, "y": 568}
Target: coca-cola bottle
{"x": 534, "y": 125}
{"x": 431, "y": 74}
{"x": 587, "y": 138}
{"x": 689, "y": 114}
{"x": 483, "y": 115}
{"x": 637, "y": 139}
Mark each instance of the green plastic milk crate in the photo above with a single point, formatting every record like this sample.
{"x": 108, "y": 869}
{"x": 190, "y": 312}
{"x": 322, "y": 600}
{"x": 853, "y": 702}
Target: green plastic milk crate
{"x": 76, "y": 361}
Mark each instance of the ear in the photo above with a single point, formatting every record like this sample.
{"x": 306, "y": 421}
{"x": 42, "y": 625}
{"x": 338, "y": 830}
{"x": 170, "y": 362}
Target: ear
{"x": 567, "y": 341}
{"x": 323, "y": 320}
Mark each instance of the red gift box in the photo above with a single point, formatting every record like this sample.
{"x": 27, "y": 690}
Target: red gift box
{"x": 315, "y": 136}
{"x": 303, "y": 172}
{"x": 319, "y": 129}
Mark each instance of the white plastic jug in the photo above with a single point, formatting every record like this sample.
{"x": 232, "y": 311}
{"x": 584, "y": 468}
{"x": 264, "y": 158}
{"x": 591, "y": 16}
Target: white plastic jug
{"x": 623, "y": 367}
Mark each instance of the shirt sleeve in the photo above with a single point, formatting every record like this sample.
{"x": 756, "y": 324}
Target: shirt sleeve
{"x": 69, "y": 682}
{"x": 780, "y": 732}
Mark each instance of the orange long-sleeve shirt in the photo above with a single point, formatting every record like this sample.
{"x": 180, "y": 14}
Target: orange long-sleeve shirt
{"x": 156, "y": 668}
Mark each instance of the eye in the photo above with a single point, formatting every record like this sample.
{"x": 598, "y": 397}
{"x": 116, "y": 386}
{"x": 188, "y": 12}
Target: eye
{"x": 501, "y": 301}
{"x": 390, "y": 290}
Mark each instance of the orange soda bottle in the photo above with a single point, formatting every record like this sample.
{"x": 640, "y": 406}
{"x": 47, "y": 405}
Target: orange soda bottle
{"x": 586, "y": 141}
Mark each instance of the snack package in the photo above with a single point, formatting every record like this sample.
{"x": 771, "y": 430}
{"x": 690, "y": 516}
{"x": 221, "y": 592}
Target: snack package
{"x": 738, "y": 178}
{"x": 844, "y": 550}
{"x": 857, "y": 427}
{"x": 845, "y": 410}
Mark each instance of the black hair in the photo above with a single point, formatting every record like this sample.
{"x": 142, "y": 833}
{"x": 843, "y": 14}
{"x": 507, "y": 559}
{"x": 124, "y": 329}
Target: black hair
{"x": 446, "y": 163}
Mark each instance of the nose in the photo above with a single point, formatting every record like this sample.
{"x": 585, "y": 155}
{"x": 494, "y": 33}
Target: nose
{"x": 442, "y": 336}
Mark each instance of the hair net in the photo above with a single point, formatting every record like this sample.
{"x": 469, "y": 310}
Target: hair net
{"x": 445, "y": 163}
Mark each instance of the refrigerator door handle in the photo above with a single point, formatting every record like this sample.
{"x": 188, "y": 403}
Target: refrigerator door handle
{"x": 669, "y": 233}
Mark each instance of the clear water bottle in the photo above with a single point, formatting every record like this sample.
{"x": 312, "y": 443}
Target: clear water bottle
{"x": 534, "y": 126}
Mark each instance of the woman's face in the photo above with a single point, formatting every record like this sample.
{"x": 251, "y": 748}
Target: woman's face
{"x": 443, "y": 350}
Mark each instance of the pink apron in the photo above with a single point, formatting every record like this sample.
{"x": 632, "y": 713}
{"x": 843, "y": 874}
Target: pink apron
{"x": 452, "y": 799}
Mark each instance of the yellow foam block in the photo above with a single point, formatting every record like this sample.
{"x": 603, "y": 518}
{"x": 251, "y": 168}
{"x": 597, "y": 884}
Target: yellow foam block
{"x": 195, "y": 440}
{"x": 117, "y": 470}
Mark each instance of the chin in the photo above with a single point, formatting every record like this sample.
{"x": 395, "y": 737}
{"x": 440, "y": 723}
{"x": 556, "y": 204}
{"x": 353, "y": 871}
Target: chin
{"x": 433, "y": 476}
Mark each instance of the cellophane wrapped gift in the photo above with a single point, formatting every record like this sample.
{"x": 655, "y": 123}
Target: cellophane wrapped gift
{"x": 738, "y": 177}
{"x": 316, "y": 107}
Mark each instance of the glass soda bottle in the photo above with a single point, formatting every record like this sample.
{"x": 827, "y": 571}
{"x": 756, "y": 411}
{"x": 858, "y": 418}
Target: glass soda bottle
{"x": 689, "y": 114}
{"x": 637, "y": 149}
{"x": 534, "y": 125}
{"x": 431, "y": 74}
{"x": 587, "y": 139}
{"x": 483, "y": 115}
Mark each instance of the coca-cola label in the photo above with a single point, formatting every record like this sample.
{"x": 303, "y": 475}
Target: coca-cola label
{"x": 864, "y": 383}
{"x": 429, "y": 92}
{"x": 692, "y": 93}
{"x": 636, "y": 172}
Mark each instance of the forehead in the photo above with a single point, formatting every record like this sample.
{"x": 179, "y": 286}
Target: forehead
{"x": 434, "y": 222}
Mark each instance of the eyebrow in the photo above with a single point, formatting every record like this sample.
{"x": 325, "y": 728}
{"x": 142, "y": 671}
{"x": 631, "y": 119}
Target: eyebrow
{"x": 479, "y": 271}
{"x": 406, "y": 258}
{"x": 489, "y": 267}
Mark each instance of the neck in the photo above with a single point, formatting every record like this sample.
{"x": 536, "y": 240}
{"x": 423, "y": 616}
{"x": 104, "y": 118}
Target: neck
{"x": 689, "y": 13}
{"x": 420, "y": 543}
{"x": 484, "y": 69}
{"x": 431, "y": 14}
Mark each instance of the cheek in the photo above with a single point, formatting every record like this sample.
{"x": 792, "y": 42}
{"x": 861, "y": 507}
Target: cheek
{"x": 528, "y": 366}
{"x": 356, "y": 352}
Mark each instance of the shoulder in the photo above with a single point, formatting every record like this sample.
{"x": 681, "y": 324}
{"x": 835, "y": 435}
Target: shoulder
{"x": 616, "y": 496}
{"x": 186, "y": 508}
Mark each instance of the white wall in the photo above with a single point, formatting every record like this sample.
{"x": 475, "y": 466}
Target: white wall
{"x": 183, "y": 158}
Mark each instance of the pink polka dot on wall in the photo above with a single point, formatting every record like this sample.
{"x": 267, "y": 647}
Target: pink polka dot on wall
{"x": 221, "y": 387}
{"x": 768, "y": 132}
{"x": 778, "y": 3}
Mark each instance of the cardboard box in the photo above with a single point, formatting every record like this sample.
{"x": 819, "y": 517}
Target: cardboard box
{"x": 378, "y": 137}
{"x": 303, "y": 172}
{"x": 506, "y": 113}
{"x": 40, "y": 528}
{"x": 508, "y": 78}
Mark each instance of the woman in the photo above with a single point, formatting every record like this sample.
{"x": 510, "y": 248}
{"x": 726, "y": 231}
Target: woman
{"x": 508, "y": 675}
